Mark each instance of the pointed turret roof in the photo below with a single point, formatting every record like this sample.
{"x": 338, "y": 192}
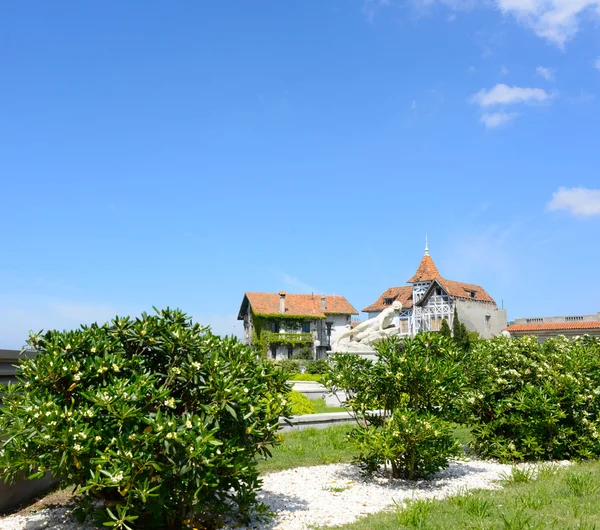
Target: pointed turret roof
{"x": 426, "y": 271}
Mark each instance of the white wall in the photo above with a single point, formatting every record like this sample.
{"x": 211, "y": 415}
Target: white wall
{"x": 473, "y": 315}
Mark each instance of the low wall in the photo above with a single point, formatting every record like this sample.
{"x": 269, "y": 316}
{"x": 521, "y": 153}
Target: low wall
{"x": 317, "y": 421}
{"x": 12, "y": 495}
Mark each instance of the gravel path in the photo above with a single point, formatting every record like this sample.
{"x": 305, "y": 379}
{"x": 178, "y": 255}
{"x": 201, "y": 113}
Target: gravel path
{"x": 320, "y": 495}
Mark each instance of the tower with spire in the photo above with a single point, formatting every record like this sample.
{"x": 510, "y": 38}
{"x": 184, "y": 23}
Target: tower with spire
{"x": 429, "y": 298}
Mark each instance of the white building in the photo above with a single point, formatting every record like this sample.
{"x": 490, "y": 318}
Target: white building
{"x": 429, "y": 299}
{"x": 280, "y": 325}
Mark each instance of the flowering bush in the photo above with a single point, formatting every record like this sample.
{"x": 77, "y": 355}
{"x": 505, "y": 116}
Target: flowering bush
{"x": 416, "y": 382}
{"x": 536, "y": 401}
{"x": 156, "y": 417}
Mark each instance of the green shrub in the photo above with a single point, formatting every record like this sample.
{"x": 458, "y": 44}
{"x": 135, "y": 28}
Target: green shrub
{"x": 290, "y": 366}
{"x": 533, "y": 401}
{"x": 157, "y": 417}
{"x": 301, "y": 404}
{"x": 319, "y": 366}
{"x": 417, "y": 381}
{"x": 304, "y": 354}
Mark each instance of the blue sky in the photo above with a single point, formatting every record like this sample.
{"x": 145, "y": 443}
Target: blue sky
{"x": 181, "y": 154}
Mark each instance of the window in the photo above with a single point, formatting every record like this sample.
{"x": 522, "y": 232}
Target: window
{"x": 473, "y": 294}
{"x": 275, "y": 327}
{"x": 388, "y": 301}
{"x": 290, "y": 352}
{"x": 438, "y": 291}
{"x": 328, "y": 325}
{"x": 305, "y": 327}
{"x": 273, "y": 351}
{"x": 488, "y": 318}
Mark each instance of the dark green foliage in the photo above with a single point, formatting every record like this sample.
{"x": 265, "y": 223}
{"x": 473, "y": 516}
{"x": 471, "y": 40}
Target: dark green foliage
{"x": 463, "y": 338}
{"x": 532, "y": 401}
{"x": 417, "y": 380}
{"x": 156, "y": 416}
{"x": 305, "y": 353}
{"x": 320, "y": 366}
{"x": 445, "y": 329}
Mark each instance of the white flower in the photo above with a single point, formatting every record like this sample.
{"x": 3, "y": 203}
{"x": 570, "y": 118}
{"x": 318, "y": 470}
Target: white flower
{"x": 98, "y": 438}
{"x": 117, "y": 477}
{"x": 77, "y": 447}
{"x": 188, "y": 424}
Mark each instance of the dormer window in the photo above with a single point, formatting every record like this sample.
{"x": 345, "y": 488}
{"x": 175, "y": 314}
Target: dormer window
{"x": 388, "y": 301}
{"x": 473, "y": 294}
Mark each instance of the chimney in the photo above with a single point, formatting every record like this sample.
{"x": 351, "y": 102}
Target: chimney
{"x": 282, "y": 302}
{"x": 323, "y": 303}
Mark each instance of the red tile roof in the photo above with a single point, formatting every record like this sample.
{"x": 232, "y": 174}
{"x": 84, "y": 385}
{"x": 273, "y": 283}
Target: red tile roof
{"x": 301, "y": 305}
{"x": 468, "y": 291}
{"x": 401, "y": 294}
{"x": 554, "y": 326}
{"x": 426, "y": 271}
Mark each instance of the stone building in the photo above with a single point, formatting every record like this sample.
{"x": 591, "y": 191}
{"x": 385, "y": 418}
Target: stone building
{"x": 281, "y": 325}
{"x": 544, "y": 327}
{"x": 430, "y": 298}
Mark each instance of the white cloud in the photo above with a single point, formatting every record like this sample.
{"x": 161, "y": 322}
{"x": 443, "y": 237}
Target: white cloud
{"x": 582, "y": 202}
{"x": 597, "y": 64}
{"x": 545, "y": 73}
{"x": 554, "y": 20}
{"x": 299, "y": 285}
{"x": 495, "y": 119}
{"x": 503, "y": 94}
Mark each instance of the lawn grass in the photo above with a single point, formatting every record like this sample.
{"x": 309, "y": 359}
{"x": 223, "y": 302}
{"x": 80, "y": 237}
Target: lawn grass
{"x": 559, "y": 498}
{"x": 315, "y": 447}
{"x": 310, "y": 447}
{"x": 321, "y": 407}
{"x": 306, "y": 377}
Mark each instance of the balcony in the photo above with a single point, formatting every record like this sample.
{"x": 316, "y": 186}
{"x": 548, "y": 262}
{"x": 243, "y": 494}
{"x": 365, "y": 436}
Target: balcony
{"x": 288, "y": 338}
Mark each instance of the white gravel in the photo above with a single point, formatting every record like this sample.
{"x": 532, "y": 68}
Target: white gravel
{"x": 321, "y": 495}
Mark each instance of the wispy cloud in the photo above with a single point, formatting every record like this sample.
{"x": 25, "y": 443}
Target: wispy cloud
{"x": 504, "y": 71}
{"x": 503, "y": 94}
{"x": 556, "y": 21}
{"x": 597, "y": 64}
{"x": 17, "y": 318}
{"x": 581, "y": 202}
{"x": 545, "y": 73}
{"x": 496, "y": 119}
{"x": 297, "y": 284}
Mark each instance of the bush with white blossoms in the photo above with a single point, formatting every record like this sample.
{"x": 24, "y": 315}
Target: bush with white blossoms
{"x": 416, "y": 382}
{"x": 532, "y": 401}
{"x": 155, "y": 417}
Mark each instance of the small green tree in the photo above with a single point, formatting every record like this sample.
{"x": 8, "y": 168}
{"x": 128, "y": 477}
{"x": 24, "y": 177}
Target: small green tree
{"x": 415, "y": 382}
{"x": 445, "y": 329}
{"x": 155, "y": 416}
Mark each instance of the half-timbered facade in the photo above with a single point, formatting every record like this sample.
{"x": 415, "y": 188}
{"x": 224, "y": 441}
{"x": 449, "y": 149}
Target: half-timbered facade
{"x": 429, "y": 298}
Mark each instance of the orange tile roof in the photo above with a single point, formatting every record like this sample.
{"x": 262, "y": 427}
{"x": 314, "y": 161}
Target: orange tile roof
{"x": 401, "y": 294}
{"x": 426, "y": 271}
{"x": 464, "y": 290}
{"x": 301, "y": 305}
{"x": 554, "y": 326}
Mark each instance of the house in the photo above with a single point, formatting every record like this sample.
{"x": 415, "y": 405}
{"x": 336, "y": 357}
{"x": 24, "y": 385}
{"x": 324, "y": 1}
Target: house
{"x": 544, "y": 327}
{"x": 429, "y": 298}
{"x": 281, "y": 325}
